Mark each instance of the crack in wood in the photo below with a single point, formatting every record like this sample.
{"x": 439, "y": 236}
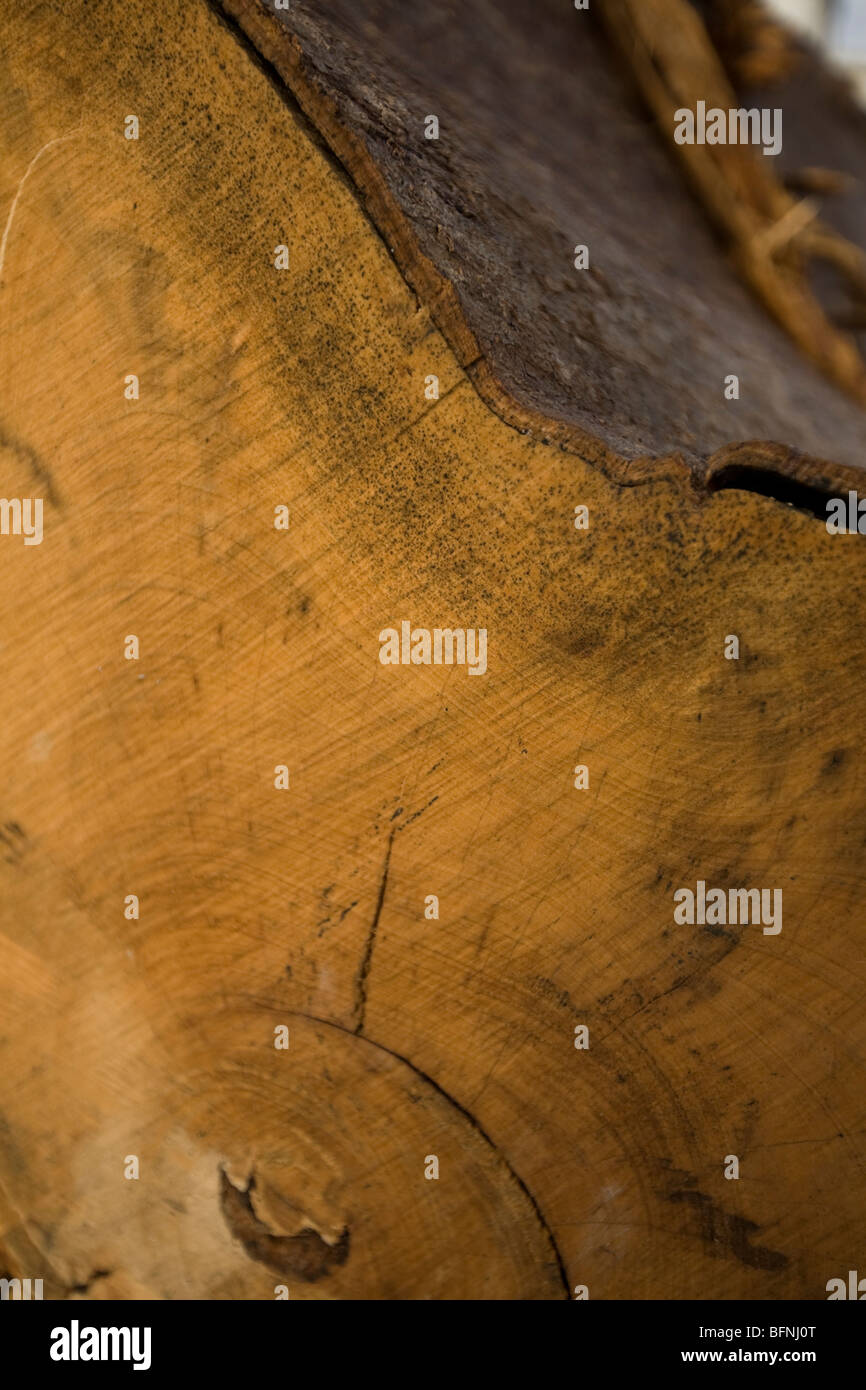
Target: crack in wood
{"x": 367, "y": 958}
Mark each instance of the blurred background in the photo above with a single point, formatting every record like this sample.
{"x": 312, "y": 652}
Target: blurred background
{"x": 838, "y": 26}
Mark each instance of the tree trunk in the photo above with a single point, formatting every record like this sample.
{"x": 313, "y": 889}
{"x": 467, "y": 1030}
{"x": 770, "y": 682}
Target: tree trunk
{"x": 171, "y": 913}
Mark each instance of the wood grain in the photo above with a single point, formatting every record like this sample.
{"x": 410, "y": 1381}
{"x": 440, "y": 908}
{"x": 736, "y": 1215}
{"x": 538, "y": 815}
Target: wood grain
{"x": 305, "y": 908}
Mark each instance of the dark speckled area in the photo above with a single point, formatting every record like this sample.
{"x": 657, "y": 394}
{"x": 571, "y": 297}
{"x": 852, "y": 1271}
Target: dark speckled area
{"x": 544, "y": 145}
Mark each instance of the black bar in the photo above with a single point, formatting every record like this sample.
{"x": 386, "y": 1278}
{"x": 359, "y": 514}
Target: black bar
{"x": 409, "y": 1343}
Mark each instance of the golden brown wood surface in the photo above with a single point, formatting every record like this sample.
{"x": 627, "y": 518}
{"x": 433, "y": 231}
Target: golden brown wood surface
{"x": 305, "y": 907}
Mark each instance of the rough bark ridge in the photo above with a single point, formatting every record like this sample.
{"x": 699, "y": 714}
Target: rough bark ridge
{"x": 545, "y": 144}
{"x": 261, "y": 909}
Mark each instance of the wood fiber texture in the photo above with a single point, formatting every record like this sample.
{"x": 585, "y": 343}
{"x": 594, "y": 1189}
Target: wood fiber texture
{"x": 305, "y": 908}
